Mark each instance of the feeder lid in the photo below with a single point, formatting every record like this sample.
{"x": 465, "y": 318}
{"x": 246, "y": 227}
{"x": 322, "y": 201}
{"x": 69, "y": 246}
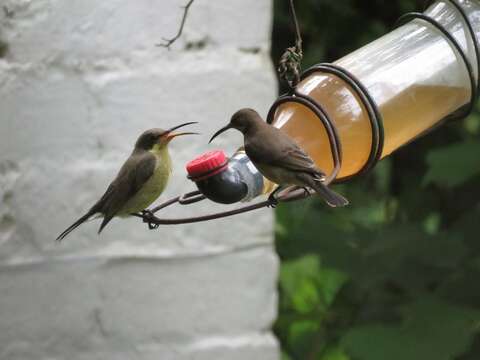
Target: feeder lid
{"x": 207, "y": 165}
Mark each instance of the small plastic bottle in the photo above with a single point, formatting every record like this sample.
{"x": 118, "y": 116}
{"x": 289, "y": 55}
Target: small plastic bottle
{"x": 227, "y": 181}
{"x": 415, "y": 76}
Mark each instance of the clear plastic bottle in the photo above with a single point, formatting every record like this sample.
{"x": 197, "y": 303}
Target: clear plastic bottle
{"x": 414, "y": 74}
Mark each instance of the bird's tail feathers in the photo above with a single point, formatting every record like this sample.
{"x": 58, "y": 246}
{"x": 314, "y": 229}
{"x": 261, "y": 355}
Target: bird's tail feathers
{"x": 76, "y": 224}
{"x": 94, "y": 217}
{"x": 104, "y": 223}
{"x": 332, "y": 198}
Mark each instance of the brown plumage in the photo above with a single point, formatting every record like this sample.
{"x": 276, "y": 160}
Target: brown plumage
{"x": 278, "y": 157}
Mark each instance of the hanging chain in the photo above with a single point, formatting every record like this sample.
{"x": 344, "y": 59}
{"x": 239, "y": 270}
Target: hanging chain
{"x": 289, "y": 67}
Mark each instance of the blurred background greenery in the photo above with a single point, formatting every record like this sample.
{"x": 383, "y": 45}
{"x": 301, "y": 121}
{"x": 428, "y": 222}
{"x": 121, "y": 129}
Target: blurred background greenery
{"x": 395, "y": 275}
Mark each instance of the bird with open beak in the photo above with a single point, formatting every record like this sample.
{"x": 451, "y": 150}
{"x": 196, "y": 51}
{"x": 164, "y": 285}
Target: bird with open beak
{"x": 140, "y": 181}
{"x": 278, "y": 157}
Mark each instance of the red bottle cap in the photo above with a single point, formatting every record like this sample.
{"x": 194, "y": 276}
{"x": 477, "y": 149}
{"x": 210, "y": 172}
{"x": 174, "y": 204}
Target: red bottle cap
{"x": 206, "y": 165}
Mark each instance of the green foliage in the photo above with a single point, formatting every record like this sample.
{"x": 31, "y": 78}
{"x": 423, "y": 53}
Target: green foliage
{"x": 453, "y": 165}
{"x": 308, "y": 287}
{"x": 394, "y": 275}
{"x": 431, "y": 329}
{"x": 308, "y": 291}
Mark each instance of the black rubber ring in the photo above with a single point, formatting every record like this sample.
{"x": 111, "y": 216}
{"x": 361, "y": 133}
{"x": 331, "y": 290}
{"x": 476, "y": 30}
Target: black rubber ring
{"x": 473, "y": 34}
{"x": 332, "y": 133}
{"x": 374, "y": 115}
{"x": 471, "y": 75}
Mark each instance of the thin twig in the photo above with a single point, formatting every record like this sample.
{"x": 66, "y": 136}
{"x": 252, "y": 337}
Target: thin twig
{"x": 290, "y": 62}
{"x": 168, "y": 42}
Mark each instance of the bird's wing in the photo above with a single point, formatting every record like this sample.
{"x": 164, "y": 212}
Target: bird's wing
{"x": 136, "y": 171}
{"x": 294, "y": 158}
{"x": 282, "y": 151}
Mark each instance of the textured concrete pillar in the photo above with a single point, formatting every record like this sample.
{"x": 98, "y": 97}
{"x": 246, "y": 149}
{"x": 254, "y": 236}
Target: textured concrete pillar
{"x": 79, "y": 81}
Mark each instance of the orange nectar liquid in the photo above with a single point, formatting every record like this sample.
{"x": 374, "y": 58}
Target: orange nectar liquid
{"x": 405, "y": 115}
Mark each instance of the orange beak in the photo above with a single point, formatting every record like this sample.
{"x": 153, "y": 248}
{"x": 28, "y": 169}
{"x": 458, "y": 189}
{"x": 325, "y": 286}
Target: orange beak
{"x": 169, "y": 134}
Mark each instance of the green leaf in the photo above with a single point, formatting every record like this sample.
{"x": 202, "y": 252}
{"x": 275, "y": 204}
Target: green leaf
{"x": 306, "y": 298}
{"x": 305, "y": 268}
{"x": 335, "y": 353}
{"x": 432, "y": 223}
{"x": 301, "y": 333}
{"x": 453, "y": 165}
{"x": 472, "y": 124}
{"x": 307, "y": 286}
{"x": 298, "y": 280}
{"x": 431, "y": 329}
{"x": 331, "y": 281}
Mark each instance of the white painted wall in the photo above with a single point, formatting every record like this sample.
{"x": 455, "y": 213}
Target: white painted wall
{"x": 80, "y": 81}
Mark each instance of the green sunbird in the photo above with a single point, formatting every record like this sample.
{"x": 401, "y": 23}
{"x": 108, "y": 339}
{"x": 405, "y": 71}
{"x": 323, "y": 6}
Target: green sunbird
{"x": 140, "y": 181}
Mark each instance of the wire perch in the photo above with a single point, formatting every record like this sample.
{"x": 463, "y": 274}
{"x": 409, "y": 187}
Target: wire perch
{"x": 288, "y": 195}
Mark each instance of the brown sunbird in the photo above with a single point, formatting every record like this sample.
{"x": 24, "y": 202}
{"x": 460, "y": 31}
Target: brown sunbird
{"x": 140, "y": 181}
{"x": 278, "y": 157}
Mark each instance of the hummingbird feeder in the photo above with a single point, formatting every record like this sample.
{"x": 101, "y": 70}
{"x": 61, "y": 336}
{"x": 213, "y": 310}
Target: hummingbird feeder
{"x": 359, "y": 109}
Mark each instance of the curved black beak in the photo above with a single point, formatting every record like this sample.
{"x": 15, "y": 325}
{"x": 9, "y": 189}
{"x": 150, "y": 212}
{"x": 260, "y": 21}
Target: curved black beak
{"x": 225, "y": 128}
{"x": 182, "y": 125}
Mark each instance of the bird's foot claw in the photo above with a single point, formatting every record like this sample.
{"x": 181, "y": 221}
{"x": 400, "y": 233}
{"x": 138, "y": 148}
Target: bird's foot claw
{"x": 152, "y": 226}
{"x": 273, "y": 201}
{"x": 148, "y": 218}
{"x": 306, "y": 191}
